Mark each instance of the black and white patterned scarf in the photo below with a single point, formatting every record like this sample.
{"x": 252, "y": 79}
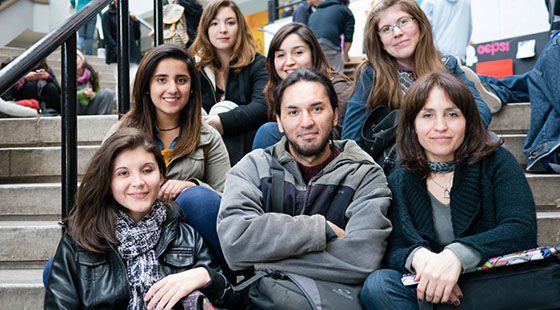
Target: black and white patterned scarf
{"x": 137, "y": 243}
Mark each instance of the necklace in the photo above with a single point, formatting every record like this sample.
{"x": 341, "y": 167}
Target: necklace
{"x": 446, "y": 192}
{"x": 169, "y": 129}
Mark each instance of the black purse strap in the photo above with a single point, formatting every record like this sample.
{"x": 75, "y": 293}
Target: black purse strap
{"x": 277, "y": 183}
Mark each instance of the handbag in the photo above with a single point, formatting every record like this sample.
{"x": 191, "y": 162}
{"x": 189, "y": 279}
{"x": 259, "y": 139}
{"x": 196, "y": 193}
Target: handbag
{"x": 524, "y": 280}
{"x": 273, "y": 289}
{"x": 379, "y": 136}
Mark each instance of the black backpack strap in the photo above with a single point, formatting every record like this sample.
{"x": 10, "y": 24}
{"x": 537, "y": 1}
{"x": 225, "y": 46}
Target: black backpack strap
{"x": 277, "y": 183}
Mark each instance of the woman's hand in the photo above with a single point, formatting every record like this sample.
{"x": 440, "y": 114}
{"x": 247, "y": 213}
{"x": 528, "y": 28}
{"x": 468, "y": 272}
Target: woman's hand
{"x": 437, "y": 275}
{"x": 33, "y": 76}
{"x": 88, "y": 92}
{"x": 339, "y": 231}
{"x": 173, "y": 188}
{"x": 168, "y": 291}
{"x": 215, "y": 121}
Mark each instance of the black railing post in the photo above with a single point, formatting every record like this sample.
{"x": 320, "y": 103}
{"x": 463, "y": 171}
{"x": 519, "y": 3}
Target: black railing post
{"x": 272, "y": 11}
{"x": 158, "y": 22}
{"x": 69, "y": 125}
{"x": 123, "y": 88}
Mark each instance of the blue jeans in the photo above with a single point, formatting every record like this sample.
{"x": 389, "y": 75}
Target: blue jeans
{"x": 47, "y": 271}
{"x": 543, "y": 138}
{"x": 86, "y": 34}
{"x": 383, "y": 289}
{"x": 267, "y": 135}
{"x": 511, "y": 88}
{"x": 201, "y": 206}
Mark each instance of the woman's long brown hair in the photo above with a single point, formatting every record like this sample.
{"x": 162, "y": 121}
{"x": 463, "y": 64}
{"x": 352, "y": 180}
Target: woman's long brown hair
{"x": 319, "y": 61}
{"x": 244, "y": 49}
{"x": 142, "y": 115}
{"x": 386, "y": 89}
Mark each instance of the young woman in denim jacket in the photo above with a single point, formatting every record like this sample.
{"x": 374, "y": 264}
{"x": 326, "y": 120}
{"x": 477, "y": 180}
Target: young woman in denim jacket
{"x": 542, "y": 144}
{"x": 400, "y": 48}
{"x": 123, "y": 248}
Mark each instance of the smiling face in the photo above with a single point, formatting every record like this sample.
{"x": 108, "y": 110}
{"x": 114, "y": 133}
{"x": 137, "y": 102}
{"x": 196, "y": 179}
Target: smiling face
{"x": 399, "y": 43}
{"x": 170, "y": 87}
{"x": 292, "y": 54}
{"x": 135, "y": 181}
{"x": 307, "y": 119}
{"x": 222, "y": 31}
{"x": 440, "y": 126}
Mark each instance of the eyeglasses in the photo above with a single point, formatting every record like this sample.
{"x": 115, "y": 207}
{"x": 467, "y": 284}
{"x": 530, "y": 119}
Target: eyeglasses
{"x": 402, "y": 24}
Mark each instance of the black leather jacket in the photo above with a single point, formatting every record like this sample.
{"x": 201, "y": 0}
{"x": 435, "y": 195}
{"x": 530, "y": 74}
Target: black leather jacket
{"x": 81, "y": 279}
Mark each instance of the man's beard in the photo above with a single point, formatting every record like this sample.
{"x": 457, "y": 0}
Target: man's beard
{"x": 311, "y": 150}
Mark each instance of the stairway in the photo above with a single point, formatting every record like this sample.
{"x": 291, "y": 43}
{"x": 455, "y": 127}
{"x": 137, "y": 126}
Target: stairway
{"x": 106, "y": 77}
{"x": 30, "y": 193}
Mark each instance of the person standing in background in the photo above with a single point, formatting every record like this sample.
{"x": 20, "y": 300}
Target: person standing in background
{"x": 341, "y": 21}
{"x": 109, "y": 23}
{"x": 304, "y": 10}
{"x": 86, "y": 33}
{"x": 451, "y": 22}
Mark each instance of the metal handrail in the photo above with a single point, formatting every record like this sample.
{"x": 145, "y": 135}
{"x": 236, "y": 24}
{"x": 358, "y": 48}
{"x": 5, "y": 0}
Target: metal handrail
{"x": 273, "y": 8}
{"x": 48, "y": 44}
{"x": 65, "y": 36}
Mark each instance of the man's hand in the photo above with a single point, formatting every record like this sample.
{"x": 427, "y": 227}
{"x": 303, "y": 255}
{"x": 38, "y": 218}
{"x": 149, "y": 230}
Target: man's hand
{"x": 339, "y": 231}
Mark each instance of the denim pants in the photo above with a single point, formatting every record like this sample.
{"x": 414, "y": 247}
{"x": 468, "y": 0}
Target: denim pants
{"x": 543, "y": 138}
{"x": 267, "y": 135}
{"x": 383, "y": 289}
{"x": 509, "y": 89}
{"x": 200, "y": 206}
{"x": 85, "y": 35}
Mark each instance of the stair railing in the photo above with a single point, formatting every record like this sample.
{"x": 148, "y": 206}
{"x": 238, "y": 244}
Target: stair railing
{"x": 65, "y": 36}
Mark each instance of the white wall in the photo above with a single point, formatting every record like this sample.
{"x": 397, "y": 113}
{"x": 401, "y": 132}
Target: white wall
{"x": 501, "y": 19}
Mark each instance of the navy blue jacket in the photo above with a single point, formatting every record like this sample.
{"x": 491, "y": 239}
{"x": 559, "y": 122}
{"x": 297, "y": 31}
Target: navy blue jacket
{"x": 340, "y": 21}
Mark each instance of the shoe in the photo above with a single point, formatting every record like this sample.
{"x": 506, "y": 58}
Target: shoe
{"x": 486, "y": 92}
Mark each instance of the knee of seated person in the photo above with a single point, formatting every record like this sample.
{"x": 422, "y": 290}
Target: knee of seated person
{"x": 195, "y": 198}
{"x": 376, "y": 284}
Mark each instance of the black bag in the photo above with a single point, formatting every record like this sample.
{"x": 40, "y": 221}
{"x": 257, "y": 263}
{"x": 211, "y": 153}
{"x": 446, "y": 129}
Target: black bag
{"x": 379, "y": 136}
{"x": 274, "y": 289}
{"x": 531, "y": 285}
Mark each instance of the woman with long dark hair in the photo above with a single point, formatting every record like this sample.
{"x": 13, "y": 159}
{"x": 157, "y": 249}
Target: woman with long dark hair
{"x": 458, "y": 199}
{"x": 124, "y": 248}
{"x": 294, "y": 46}
{"x": 167, "y": 107}
{"x": 233, "y": 76}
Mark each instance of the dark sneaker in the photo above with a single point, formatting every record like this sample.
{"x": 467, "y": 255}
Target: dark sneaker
{"x": 486, "y": 92}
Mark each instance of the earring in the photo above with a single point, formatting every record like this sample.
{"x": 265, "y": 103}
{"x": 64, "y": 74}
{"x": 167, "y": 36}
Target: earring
{"x": 192, "y": 91}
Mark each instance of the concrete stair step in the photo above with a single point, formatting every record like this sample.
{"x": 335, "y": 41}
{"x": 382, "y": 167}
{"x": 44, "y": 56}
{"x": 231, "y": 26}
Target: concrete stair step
{"x": 28, "y": 241}
{"x": 545, "y": 188}
{"x": 514, "y": 144}
{"x": 47, "y": 130}
{"x": 512, "y": 118}
{"x": 548, "y": 228}
{"x": 22, "y": 288}
{"x": 23, "y": 164}
{"x": 36, "y": 199}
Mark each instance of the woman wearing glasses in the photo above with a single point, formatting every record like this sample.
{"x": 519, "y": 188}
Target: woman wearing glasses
{"x": 400, "y": 49}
